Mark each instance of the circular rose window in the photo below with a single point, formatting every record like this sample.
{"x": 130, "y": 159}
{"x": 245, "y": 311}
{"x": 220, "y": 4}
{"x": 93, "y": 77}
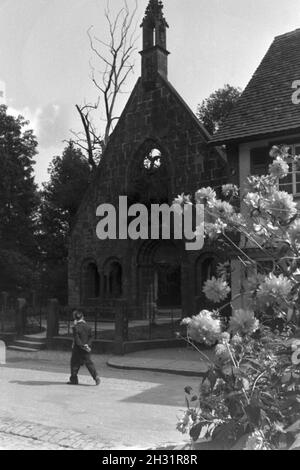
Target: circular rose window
{"x": 153, "y": 160}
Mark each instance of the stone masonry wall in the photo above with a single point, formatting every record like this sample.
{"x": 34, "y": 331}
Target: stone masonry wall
{"x": 161, "y": 116}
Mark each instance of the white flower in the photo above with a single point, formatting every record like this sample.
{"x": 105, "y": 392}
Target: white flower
{"x": 252, "y": 200}
{"x": 213, "y": 230}
{"x": 185, "y": 422}
{"x": 279, "y": 168}
{"x": 275, "y": 152}
{"x": 222, "y": 208}
{"x": 222, "y": 353}
{"x": 180, "y": 201}
{"x": 296, "y": 357}
{"x": 203, "y": 328}
{"x": 225, "y": 338}
{"x": 281, "y": 206}
{"x": 263, "y": 184}
{"x": 216, "y": 290}
{"x": 256, "y": 441}
{"x": 230, "y": 190}
{"x": 236, "y": 220}
{"x": 205, "y": 195}
{"x": 294, "y": 231}
{"x": 296, "y": 160}
{"x": 236, "y": 341}
{"x": 200, "y": 230}
{"x": 274, "y": 289}
{"x": 243, "y": 322}
{"x": 282, "y": 151}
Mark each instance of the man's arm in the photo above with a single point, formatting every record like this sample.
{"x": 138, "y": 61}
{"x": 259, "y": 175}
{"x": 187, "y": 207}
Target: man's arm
{"x": 90, "y": 337}
{"x": 77, "y": 339}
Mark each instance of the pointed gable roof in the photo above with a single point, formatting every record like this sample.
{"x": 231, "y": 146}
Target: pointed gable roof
{"x": 265, "y": 107}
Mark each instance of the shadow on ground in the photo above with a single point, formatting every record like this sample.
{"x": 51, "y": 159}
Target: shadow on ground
{"x": 40, "y": 382}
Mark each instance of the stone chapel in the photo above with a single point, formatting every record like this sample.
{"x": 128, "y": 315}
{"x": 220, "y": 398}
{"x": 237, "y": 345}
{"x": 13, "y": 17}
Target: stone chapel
{"x": 157, "y": 150}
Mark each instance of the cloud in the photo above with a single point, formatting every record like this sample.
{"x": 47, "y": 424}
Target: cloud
{"x": 28, "y": 114}
{"x": 50, "y": 123}
{"x": 53, "y": 124}
{"x": 43, "y": 160}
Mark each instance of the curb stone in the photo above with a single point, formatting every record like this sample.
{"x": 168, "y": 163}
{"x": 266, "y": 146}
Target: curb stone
{"x": 111, "y": 363}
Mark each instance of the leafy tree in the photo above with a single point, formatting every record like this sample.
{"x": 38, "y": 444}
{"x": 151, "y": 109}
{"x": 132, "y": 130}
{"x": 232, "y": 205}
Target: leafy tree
{"x": 18, "y": 203}
{"x": 215, "y": 109}
{"x": 60, "y": 200}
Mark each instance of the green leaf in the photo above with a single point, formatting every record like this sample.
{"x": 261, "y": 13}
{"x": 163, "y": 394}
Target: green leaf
{"x": 254, "y": 413}
{"x": 195, "y": 431}
{"x": 223, "y": 434}
{"x": 234, "y": 406}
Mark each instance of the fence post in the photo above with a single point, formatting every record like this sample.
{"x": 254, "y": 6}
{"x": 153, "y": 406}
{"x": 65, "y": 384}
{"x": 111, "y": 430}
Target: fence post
{"x": 4, "y": 308}
{"x": 21, "y": 317}
{"x": 2, "y": 353}
{"x": 52, "y": 318}
{"x": 121, "y": 327}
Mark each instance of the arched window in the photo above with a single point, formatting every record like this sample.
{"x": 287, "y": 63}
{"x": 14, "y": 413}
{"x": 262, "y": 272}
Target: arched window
{"x": 91, "y": 282}
{"x": 149, "y": 179}
{"x": 152, "y": 160}
{"x": 113, "y": 279}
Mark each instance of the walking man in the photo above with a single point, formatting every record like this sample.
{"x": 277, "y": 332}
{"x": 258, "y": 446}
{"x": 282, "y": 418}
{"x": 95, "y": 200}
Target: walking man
{"x": 81, "y": 349}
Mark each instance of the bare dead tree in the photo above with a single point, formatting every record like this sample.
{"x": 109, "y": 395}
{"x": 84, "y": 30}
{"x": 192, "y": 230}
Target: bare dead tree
{"x": 114, "y": 63}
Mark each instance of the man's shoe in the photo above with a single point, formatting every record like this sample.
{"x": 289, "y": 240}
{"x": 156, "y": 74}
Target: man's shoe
{"x": 97, "y": 380}
{"x": 72, "y": 383}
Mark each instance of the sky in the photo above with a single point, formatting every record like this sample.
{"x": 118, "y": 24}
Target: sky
{"x": 45, "y": 55}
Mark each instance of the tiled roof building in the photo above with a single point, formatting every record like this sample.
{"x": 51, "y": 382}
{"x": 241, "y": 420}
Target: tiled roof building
{"x": 267, "y": 106}
{"x": 267, "y": 114}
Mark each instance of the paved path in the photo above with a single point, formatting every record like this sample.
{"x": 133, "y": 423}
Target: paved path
{"x": 130, "y": 409}
{"x": 179, "y": 361}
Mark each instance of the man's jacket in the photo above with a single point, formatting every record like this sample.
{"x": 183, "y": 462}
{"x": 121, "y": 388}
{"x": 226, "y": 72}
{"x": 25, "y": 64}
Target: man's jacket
{"x": 82, "y": 334}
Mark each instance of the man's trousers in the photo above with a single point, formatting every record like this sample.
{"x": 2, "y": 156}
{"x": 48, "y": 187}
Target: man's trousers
{"x": 78, "y": 359}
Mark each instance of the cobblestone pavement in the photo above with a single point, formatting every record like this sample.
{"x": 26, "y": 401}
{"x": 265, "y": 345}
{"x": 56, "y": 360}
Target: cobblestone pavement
{"x": 12, "y": 442}
{"x": 27, "y": 435}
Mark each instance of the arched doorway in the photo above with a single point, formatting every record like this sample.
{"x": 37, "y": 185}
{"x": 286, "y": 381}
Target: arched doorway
{"x": 168, "y": 276}
{"x": 159, "y": 277}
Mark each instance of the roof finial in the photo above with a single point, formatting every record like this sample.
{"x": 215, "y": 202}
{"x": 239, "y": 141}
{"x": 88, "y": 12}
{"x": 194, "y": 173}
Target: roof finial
{"x": 154, "y": 12}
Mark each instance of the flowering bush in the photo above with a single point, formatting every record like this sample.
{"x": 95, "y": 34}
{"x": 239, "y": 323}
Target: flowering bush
{"x": 250, "y": 396}
{"x": 279, "y": 168}
{"x": 203, "y": 328}
{"x": 274, "y": 290}
{"x": 243, "y": 322}
{"x": 216, "y": 290}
